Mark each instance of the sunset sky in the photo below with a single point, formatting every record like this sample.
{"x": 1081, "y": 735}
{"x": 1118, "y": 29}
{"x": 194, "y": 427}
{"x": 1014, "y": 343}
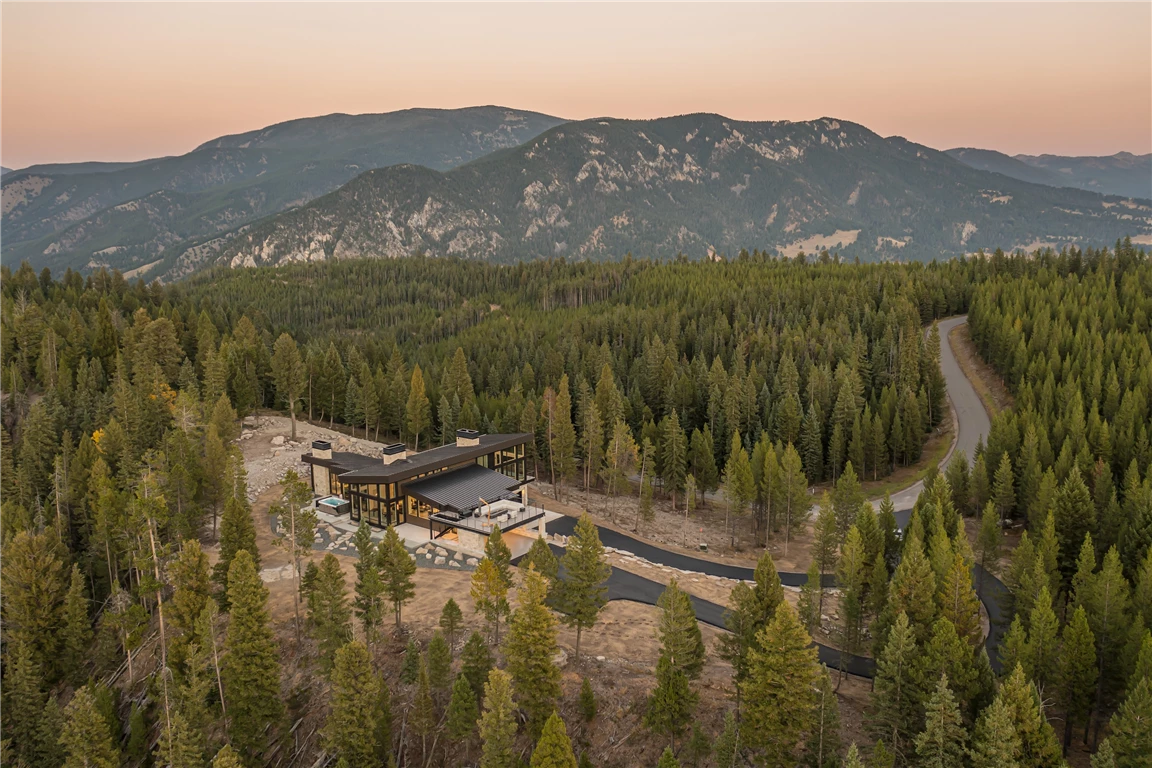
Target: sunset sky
{"x": 98, "y": 81}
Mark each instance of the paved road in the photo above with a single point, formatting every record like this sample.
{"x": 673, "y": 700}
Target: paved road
{"x": 972, "y": 424}
{"x": 968, "y": 411}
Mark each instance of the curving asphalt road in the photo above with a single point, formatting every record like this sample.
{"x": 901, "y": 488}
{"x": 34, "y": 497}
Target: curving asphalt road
{"x": 972, "y": 424}
{"x": 968, "y": 413}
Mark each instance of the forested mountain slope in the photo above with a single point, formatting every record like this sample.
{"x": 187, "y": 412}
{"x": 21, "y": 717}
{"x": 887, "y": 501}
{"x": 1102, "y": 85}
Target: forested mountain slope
{"x": 160, "y": 212}
{"x": 1121, "y": 174}
{"x": 693, "y": 184}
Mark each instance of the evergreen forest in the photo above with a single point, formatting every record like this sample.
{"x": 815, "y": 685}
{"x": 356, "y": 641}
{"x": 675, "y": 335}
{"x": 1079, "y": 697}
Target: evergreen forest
{"x": 137, "y": 624}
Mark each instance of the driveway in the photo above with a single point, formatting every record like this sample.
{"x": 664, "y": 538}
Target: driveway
{"x": 972, "y": 424}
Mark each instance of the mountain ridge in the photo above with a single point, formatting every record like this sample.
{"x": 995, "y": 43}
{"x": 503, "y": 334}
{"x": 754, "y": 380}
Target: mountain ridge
{"x": 581, "y": 192}
{"x": 1122, "y": 173}
{"x": 74, "y": 216}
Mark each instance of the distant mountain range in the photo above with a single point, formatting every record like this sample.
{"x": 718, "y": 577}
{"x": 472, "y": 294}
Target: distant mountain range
{"x": 168, "y": 215}
{"x": 1122, "y": 174}
{"x": 694, "y": 184}
{"x": 505, "y": 185}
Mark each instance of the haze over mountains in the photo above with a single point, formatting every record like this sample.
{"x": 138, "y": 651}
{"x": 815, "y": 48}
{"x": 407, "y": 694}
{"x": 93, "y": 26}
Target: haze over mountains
{"x": 505, "y": 185}
{"x": 1120, "y": 174}
{"x": 127, "y": 215}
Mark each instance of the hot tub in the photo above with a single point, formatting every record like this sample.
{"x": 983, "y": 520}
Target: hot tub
{"x": 334, "y": 505}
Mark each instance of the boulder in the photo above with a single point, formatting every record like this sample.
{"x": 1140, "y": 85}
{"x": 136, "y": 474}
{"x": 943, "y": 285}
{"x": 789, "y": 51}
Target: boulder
{"x": 472, "y": 562}
{"x": 438, "y": 561}
{"x": 278, "y": 440}
{"x": 453, "y": 563}
{"x": 441, "y": 551}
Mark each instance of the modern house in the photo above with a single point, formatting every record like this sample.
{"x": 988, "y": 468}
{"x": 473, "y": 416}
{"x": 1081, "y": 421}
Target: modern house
{"x": 457, "y": 491}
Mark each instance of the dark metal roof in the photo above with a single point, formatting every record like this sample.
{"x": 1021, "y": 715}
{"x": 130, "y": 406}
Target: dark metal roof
{"x": 427, "y": 461}
{"x": 342, "y": 461}
{"x": 463, "y": 489}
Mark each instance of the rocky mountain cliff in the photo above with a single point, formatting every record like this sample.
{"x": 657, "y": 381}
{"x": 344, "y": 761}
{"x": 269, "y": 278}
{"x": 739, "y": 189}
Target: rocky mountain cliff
{"x": 694, "y": 184}
{"x": 1122, "y": 174}
{"x": 142, "y": 217}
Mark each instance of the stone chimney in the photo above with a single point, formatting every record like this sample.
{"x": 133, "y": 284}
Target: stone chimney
{"x": 322, "y": 449}
{"x": 395, "y": 452}
{"x": 467, "y": 438}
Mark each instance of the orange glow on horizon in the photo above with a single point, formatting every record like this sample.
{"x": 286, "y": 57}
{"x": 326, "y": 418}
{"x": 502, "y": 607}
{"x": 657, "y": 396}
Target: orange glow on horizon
{"x": 96, "y": 81}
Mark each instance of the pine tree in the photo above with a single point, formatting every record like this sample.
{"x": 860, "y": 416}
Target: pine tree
{"x": 896, "y": 706}
{"x": 289, "y": 374}
{"x": 554, "y": 749}
{"x": 673, "y": 455}
{"x": 587, "y": 700}
{"x": 728, "y": 746}
{"x": 846, "y": 499}
{"x": 76, "y": 632}
{"x": 439, "y": 662}
{"x": 497, "y": 551}
{"x": 852, "y": 760}
{"x": 410, "y": 665}
{"x": 498, "y": 723}
{"x": 702, "y": 460}
{"x": 355, "y": 699}
{"x": 1131, "y": 736}
{"x": 989, "y": 543}
{"x": 49, "y": 751}
{"x": 796, "y": 503}
{"x": 1075, "y": 516}
{"x": 450, "y": 619}
{"x": 24, "y": 700}
{"x": 251, "y": 667}
{"x": 369, "y": 590}
{"x": 946, "y": 653}
{"x": 1041, "y": 652}
{"x": 671, "y": 704}
{"x": 476, "y": 663}
{"x": 668, "y": 759}
{"x": 739, "y": 484}
{"x": 328, "y": 611}
{"x": 850, "y": 575}
{"x": 85, "y": 737}
{"x": 562, "y": 447}
{"x": 541, "y": 557}
{"x": 1038, "y": 745}
{"x": 679, "y": 632}
{"x": 397, "y": 568}
{"x": 811, "y": 595}
{"x": 826, "y": 542}
{"x": 418, "y": 411}
{"x": 780, "y": 690}
{"x": 490, "y": 595}
{"x": 462, "y": 714}
{"x": 226, "y": 758}
{"x": 822, "y": 747}
{"x": 1003, "y": 489}
{"x": 942, "y": 742}
{"x": 1108, "y": 618}
{"x": 913, "y": 589}
{"x": 190, "y": 586}
{"x": 995, "y": 743}
{"x": 237, "y": 533}
{"x": 422, "y": 716}
{"x": 583, "y": 592}
{"x": 35, "y": 584}
{"x": 698, "y": 749}
{"x": 529, "y": 652}
{"x": 1105, "y": 757}
{"x": 1076, "y": 672}
{"x": 181, "y": 745}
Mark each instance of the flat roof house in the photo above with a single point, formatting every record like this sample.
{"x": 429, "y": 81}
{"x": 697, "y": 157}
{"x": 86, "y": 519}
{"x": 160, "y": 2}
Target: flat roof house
{"x": 460, "y": 490}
